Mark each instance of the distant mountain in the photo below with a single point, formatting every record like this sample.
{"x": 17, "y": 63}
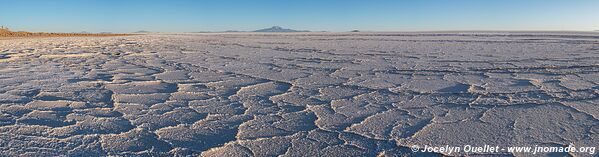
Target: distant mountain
{"x": 278, "y": 29}
{"x": 142, "y": 32}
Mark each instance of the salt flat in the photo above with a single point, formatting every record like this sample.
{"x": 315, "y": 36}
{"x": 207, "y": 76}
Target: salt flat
{"x": 297, "y": 94}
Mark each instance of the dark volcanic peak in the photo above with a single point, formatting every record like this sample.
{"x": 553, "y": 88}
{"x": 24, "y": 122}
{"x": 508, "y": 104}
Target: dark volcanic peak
{"x": 278, "y": 29}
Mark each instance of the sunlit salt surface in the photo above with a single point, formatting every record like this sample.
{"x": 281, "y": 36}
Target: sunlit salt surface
{"x": 297, "y": 94}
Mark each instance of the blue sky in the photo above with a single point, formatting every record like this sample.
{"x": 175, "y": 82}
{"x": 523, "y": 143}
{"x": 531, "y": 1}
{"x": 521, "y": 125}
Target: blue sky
{"x": 317, "y": 15}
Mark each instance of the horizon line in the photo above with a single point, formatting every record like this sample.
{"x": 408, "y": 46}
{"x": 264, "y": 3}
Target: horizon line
{"x": 316, "y": 31}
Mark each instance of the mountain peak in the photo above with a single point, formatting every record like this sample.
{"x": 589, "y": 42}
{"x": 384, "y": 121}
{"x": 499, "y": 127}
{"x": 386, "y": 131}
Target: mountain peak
{"x": 142, "y": 31}
{"x": 278, "y": 29}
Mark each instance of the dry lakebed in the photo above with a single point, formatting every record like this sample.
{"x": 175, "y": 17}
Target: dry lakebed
{"x": 298, "y": 94}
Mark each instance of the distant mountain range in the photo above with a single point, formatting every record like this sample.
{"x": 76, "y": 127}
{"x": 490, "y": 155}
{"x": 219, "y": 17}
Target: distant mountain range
{"x": 279, "y": 29}
{"x": 142, "y": 31}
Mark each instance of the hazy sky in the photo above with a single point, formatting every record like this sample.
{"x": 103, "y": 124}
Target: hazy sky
{"x": 317, "y": 15}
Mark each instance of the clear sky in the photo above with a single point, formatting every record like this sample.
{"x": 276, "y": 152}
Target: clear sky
{"x": 316, "y": 15}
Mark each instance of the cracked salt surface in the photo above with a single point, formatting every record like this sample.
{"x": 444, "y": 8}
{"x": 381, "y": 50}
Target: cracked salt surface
{"x": 298, "y": 94}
